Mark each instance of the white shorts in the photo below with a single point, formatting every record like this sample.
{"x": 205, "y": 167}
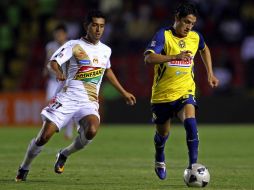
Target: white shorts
{"x": 64, "y": 107}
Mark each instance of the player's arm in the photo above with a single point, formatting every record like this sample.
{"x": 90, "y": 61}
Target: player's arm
{"x": 152, "y": 58}
{"x": 129, "y": 98}
{"x": 207, "y": 60}
{"x": 63, "y": 54}
{"x": 56, "y": 69}
{"x": 153, "y": 53}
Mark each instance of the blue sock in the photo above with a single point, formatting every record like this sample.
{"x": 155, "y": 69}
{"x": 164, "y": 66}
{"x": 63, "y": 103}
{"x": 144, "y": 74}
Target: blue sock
{"x": 159, "y": 143}
{"x": 192, "y": 139}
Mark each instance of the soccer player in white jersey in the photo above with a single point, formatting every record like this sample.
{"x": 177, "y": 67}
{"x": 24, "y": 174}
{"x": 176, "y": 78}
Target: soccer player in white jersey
{"x": 60, "y": 37}
{"x": 88, "y": 60}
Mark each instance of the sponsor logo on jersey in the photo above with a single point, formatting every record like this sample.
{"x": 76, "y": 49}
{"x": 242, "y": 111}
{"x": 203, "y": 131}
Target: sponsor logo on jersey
{"x": 84, "y": 62}
{"x": 180, "y": 63}
{"x": 181, "y": 72}
{"x": 79, "y": 53}
{"x": 89, "y": 74}
{"x": 153, "y": 43}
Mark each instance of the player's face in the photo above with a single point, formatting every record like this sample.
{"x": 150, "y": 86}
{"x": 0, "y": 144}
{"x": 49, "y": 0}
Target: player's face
{"x": 95, "y": 29}
{"x": 184, "y": 25}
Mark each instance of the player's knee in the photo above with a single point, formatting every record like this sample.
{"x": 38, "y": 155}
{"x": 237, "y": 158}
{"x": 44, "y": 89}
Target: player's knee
{"x": 90, "y": 125}
{"x": 41, "y": 140}
{"x": 191, "y": 128}
{"x": 91, "y": 132}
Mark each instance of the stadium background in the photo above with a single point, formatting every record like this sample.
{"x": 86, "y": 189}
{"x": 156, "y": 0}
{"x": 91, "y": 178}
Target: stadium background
{"x": 26, "y": 27}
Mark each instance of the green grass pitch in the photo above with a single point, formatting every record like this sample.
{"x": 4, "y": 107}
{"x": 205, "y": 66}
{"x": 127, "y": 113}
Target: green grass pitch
{"x": 121, "y": 157}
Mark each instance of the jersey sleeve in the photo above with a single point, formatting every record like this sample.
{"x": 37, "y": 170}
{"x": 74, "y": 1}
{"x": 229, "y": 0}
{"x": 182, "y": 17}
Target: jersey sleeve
{"x": 108, "y": 65}
{"x": 157, "y": 43}
{"x": 63, "y": 54}
{"x": 201, "y": 44}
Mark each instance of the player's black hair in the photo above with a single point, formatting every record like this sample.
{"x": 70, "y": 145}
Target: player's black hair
{"x": 93, "y": 14}
{"x": 186, "y": 8}
{"x": 60, "y": 26}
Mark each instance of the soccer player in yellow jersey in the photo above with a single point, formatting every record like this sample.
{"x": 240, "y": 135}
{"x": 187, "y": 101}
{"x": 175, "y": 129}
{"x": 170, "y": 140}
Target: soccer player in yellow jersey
{"x": 172, "y": 52}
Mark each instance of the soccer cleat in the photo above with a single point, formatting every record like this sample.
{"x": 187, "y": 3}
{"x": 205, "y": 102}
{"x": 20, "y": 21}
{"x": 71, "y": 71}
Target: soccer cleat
{"x": 160, "y": 170}
{"x": 60, "y": 161}
{"x": 21, "y": 175}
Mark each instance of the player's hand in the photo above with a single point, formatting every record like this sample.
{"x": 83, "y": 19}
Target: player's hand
{"x": 184, "y": 55}
{"x": 129, "y": 98}
{"x": 60, "y": 76}
{"x": 213, "y": 81}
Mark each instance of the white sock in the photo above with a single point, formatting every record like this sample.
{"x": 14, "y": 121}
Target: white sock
{"x": 79, "y": 143}
{"x": 32, "y": 151}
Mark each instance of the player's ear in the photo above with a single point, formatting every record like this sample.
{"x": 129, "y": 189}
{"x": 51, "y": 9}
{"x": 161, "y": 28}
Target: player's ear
{"x": 85, "y": 26}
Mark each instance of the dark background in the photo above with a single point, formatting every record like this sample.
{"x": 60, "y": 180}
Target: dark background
{"x": 227, "y": 26}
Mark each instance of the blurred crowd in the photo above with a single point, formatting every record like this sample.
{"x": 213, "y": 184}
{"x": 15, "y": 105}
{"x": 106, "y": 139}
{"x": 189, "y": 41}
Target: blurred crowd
{"x": 227, "y": 26}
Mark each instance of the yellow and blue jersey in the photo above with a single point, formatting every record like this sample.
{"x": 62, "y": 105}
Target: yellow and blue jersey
{"x": 174, "y": 79}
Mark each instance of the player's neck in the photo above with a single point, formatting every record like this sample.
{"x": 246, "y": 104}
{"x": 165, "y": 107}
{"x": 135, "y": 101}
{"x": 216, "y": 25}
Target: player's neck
{"x": 89, "y": 40}
{"x": 175, "y": 32}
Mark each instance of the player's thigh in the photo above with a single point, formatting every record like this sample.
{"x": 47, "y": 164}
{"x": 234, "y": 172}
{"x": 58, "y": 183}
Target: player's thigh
{"x": 91, "y": 121}
{"x": 47, "y": 131}
{"x": 161, "y": 113}
{"x": 60, "y": 111}
{"x": 89, "y": 125}
{"x": 88, "y": 115}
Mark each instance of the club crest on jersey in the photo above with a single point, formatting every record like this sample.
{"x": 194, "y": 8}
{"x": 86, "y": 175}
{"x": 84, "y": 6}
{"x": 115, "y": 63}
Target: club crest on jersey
{"x": 95, "y": 60}
{"x": 181, "y": 44}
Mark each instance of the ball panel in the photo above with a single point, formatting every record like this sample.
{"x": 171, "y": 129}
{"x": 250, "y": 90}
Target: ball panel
{"x": 197, "y": 176}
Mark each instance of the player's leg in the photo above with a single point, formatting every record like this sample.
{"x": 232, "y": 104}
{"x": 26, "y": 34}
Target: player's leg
{"x": 161, "y": 117}
{"x": 35, "y": 147}
{"x": 160, "y": 138}
{"x": 87, "y": 131}
{"x": 187, "y": 116}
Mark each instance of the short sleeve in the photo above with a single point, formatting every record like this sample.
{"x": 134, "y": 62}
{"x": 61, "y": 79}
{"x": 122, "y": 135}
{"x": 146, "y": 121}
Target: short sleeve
{"x": 157, "y": 43}
{"x": 63, "y": 54}
{"x": 201, "y": 44}
{"x": 108, "y": 65}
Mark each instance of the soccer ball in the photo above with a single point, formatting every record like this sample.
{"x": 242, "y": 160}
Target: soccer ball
{"x": 197, "y": 176}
